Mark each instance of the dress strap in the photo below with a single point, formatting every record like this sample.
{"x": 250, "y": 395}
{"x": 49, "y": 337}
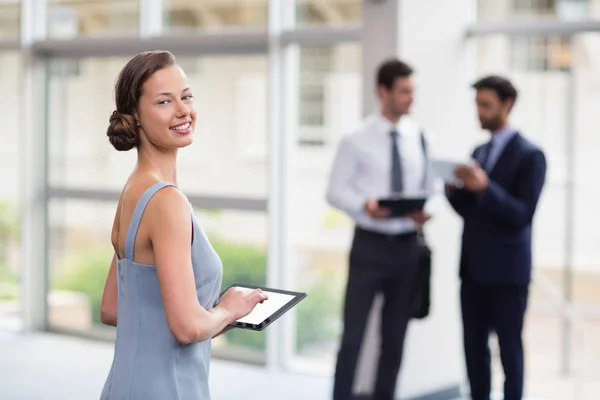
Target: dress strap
{"x": 134, "y": 223}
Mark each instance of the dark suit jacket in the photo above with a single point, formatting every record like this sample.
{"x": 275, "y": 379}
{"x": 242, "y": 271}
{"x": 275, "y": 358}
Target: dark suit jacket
{"x": 496, "y": 240}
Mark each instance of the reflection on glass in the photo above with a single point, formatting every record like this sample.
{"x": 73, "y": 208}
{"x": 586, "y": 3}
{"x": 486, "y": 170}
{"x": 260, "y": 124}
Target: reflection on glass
{"x": 228, "y": 157}
{"x": 10, "y": 19}
{"x": 68, "y": 19}
{"x": 80, "y": 254}
{"x": 328, "y": 12}
{"x": 212, "y": 15}
{"x": 566, "y": 10}
{"x": 10, "y": 82}
{"x": 558, "y": 80}
{"x": 329, "y": 87}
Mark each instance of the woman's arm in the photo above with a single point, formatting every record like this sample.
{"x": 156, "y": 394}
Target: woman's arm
{"x": 110, "y": 296}
{"x": 170, "y": 226}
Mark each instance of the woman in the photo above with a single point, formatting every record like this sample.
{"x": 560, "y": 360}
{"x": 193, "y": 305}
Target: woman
{"x": 165, "y": 279}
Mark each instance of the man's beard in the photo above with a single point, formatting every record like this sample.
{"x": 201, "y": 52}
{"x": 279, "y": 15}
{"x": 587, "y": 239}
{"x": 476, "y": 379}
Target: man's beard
{"x": 492, "y": 124}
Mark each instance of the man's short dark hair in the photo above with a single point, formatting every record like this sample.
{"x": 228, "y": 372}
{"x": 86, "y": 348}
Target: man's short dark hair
{"x": 503, "y": 88}
{"x": 391, "y": 70}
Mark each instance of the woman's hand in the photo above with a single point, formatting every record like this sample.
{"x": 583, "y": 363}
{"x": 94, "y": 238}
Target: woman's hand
{"x": 239, "y": 302}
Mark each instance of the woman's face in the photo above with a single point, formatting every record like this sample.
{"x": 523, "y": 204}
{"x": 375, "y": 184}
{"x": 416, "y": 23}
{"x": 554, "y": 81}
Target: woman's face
{"x": 166, "y": 110}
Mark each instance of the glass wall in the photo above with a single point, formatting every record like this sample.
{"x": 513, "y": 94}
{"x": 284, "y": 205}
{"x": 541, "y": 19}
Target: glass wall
{"x": 10, "y": 266}
{"x": 211, "y": 15}
{"x": 80, "y": 253}
{"x": 69, "y": 19}
{"x": 227, "y": 160}
{"x": 10, "y": 17}
{"x": 230, "y": 96}
{"x": 328, "y": 94}
{"x": 535, "y": 10}
{"x": 328, "y": 12}
{"x": 558, "y": 82}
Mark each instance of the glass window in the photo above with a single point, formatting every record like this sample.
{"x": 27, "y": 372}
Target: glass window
{"x": 558, "y": 81}
{"x": 567, "y": 10}
{"x": 10, "y": 19}
{"x": 320, "y": 90}
{"x": 210, "y": 15}
{"x": 80, "y": 254}
{"x": 328, "y": 12}
{"x": 68, "y": 19}
{"x": 228, "y": 157}
{"x": 10, "y": 84}
{"x": 319, "y": 235}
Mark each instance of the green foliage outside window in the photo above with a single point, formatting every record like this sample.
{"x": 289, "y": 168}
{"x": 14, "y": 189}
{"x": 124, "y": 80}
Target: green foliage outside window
{"x": 85, "y": 272}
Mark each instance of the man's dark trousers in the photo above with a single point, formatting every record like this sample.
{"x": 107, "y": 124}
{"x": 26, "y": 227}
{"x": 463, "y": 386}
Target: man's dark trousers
{"x": 500, "y": 309}
{"x": 386, "y": 264}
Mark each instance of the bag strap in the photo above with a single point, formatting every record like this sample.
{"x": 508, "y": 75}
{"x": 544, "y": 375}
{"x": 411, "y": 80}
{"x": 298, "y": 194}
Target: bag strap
{"x": 426, "y": 161}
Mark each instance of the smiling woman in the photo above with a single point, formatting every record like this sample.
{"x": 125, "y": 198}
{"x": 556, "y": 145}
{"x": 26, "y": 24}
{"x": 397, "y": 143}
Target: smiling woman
{"x": 170, "y": 276}
{"x": 168, "y": 101}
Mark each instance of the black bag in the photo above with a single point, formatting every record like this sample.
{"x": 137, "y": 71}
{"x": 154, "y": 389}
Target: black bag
{"x": 422, "y": 286}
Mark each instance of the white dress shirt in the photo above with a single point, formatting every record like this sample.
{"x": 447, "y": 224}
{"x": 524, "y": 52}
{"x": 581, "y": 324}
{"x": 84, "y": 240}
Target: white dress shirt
{"x": 362, "y": 171}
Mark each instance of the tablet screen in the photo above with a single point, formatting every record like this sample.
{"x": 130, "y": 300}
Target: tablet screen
{"x": 267, "y": 308}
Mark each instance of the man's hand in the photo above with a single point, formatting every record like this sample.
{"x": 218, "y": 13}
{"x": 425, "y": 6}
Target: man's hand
{"x": 473, "y": 176}
{"x": 373, "y": 208}
{"x": 420, "y": 217}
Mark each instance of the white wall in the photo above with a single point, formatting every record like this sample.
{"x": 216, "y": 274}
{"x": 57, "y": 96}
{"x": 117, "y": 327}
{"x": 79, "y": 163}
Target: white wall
{"x": 434, "y": 44}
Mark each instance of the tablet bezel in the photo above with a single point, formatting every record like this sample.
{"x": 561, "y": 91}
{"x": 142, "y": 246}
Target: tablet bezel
{"x": 395, "y": 205}
{"x": 298, "y": 297}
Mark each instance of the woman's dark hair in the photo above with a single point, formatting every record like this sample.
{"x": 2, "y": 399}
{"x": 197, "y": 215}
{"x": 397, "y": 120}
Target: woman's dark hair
{"x": 390, "y": 70}
{"x": 123, "y": 126}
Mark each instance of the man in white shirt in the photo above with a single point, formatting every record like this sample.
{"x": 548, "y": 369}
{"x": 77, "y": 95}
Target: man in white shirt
{"x": 386, "y": 156}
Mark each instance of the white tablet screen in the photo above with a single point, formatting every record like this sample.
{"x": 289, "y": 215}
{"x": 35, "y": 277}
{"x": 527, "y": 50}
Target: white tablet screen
{"x": 267, "y": 308}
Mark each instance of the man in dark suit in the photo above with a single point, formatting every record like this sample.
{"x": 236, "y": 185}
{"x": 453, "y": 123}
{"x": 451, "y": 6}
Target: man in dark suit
{"x": 497, "y": 202}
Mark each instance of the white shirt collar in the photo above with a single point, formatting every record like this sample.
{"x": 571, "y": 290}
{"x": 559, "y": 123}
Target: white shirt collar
{"x": 386, "y": 126}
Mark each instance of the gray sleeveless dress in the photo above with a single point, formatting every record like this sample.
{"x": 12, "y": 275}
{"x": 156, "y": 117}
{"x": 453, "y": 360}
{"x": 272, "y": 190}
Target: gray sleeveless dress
{"x": 149, "y": 364}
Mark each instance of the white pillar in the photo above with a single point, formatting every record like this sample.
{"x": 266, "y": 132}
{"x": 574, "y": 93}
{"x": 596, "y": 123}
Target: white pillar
{"x": 33, "y": 167}
{"x": 428, "y": 35}
{"x": 380, "y": 40}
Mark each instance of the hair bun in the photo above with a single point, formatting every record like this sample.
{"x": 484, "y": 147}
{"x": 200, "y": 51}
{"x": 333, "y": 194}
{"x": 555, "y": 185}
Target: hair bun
{"x": 122, "y": 131}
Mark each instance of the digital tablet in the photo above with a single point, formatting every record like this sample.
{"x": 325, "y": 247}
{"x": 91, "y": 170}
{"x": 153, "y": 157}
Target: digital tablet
{"x": 402, "y": 206}
{"x": 444, "y": 170}
{"x": 278, "y": 303}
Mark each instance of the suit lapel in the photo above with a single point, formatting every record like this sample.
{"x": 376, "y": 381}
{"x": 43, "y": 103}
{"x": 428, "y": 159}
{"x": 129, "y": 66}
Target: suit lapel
{"x": 506, "y": 155}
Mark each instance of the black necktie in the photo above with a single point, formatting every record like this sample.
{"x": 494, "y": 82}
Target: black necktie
{"x": 397, "y": 185}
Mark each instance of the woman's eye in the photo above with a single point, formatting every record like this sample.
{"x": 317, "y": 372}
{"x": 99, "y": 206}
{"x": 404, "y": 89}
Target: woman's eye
{"x": 188, "y": 97}
{"x": 163, "y": 102}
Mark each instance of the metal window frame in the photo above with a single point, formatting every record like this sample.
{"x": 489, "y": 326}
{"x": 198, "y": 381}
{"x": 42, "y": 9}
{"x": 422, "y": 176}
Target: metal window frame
{"x": 204, "y": 44}
{"x": 198, "y": 201}
{"x": 9, "y": 45}
{"x": 531, "y": 28}
{"x": 321, "y": 36}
